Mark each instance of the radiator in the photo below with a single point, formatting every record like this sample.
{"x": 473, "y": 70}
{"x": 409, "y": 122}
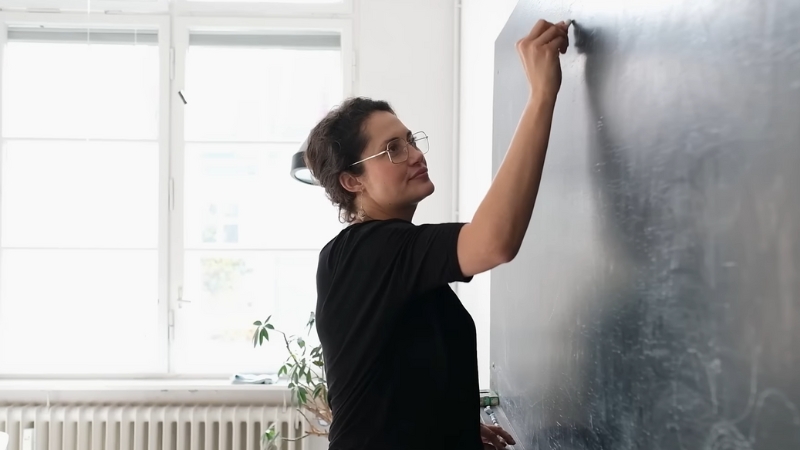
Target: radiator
{"x": 142, "y": 427}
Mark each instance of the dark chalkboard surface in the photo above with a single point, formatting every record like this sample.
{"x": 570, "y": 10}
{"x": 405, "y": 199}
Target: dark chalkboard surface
{"x": 656, "y": 301}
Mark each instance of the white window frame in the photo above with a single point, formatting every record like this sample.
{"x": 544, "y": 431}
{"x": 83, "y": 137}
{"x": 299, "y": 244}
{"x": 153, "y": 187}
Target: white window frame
{"x": 161, "y": 24}
{"x": 173, "y": 28}
{"x": 182, "y": 28}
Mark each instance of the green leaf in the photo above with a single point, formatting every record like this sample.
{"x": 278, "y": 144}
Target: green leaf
{"x": 318, "y": 390}
{"x": 282, "y": 371}
{"x": 301, "y": 342}
{"x": 271, "y": 433}
{"x": 302, "y": 394}
{"x": 264, "y": 335}
{"x": 318, "y": 363}
{"x": 270, "y": 317}
{"x": 257, "y": 323}
{"x": 269, "y": 325}
{"x": 269, "y": 437}
{"x": 291, "y": 386}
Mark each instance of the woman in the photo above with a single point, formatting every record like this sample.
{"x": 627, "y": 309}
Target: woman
{"x": 400, "y": 349}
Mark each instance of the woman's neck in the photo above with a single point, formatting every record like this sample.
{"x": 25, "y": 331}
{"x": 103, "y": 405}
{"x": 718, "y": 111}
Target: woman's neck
{"x": 370, "y": 211}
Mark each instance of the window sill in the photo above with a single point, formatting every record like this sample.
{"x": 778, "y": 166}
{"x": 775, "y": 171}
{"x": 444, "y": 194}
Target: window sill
{"x": 152, "y": 391}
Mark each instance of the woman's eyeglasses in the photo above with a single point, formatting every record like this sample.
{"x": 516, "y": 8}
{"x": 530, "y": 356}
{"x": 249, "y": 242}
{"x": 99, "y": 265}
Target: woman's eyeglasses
{"x": 397, "y": 149}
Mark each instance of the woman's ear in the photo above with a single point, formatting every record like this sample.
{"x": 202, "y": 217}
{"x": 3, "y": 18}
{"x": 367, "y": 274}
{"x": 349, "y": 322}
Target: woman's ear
{"x": 350, "y": 182}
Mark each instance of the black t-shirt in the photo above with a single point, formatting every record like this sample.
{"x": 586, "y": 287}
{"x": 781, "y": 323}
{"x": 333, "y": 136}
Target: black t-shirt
{"x": 400, "y": 349}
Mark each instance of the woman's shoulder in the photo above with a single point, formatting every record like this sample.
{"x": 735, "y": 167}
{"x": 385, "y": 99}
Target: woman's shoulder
{"x": 364, "y": 233}
{"x": 358, "y": 242}
{"x": 371, "y": 227}
{"x": 366, "y": 238}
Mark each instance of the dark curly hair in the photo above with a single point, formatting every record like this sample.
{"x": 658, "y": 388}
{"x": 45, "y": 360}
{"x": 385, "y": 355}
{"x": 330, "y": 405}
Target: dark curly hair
{"x": 335, "y": 143}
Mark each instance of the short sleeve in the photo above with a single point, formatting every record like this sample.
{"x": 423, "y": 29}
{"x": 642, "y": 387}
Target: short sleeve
{"x": 414, "y": 259}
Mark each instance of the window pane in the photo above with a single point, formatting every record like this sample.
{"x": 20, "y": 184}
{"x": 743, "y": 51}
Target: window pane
{"x": 80, "y": 207}
{"x": 259, "y": 94}
{"x": 252, "y": 234}
{"x": 230, "y": 290}
{"x": 80, "y": 194}
{"x": 79, "y": 311}
{"x": 241, "y": 196}
{"x": 71, "y": 90}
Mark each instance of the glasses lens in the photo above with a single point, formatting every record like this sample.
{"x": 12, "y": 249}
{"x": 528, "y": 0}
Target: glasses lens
{"x": 397, "y": 151}
{"x": 420, "y": 141}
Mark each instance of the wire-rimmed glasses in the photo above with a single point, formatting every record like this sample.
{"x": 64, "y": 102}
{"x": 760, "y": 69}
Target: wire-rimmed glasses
{"x": 397, "y": 149}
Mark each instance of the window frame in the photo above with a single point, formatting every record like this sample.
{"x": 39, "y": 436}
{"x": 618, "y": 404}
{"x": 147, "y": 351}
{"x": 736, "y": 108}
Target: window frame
{"x": 161, "y": 24}
{"x": 173, "y": 39}
{"x": 182, "y": 28}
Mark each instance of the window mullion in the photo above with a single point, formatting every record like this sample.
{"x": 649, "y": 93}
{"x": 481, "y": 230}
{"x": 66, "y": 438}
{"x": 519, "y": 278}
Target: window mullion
{"x": 3, "y": 40}
{"x": 176, "y": 70}
{"x": 164, "y": 133}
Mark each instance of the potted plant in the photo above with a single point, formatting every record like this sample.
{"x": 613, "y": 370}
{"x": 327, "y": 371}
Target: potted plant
{"x": 305, "y": 370}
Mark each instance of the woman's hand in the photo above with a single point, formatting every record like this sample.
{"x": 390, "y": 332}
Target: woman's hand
{"x": 496, "y": 437}
{"x": 539, "y": 51}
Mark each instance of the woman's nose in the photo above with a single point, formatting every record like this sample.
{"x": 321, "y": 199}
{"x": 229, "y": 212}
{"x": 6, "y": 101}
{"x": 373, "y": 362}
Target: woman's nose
{"x": 415, "y": 155}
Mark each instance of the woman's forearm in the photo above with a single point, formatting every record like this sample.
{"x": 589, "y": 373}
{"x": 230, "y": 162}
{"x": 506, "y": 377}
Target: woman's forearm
{"x": 505, "y": 212}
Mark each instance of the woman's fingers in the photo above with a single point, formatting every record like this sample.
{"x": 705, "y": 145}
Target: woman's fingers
{"x": 503, "y": 433}
{"x": 552, "y": 32}
{"x": 538, "y": 28}
{"x": 559, "y": 44}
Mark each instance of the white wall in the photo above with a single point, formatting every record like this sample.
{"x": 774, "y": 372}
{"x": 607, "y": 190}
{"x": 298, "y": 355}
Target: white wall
{"x": 481, "y": 22}
{"x": 405, "y": 56}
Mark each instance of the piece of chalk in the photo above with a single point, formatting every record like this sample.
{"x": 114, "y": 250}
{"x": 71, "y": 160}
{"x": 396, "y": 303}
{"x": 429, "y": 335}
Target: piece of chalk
{"x": 489, "y": 412}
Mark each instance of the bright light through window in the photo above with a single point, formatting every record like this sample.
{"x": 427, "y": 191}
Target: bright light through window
{"x": 252, "y": 234}
{"x": 98, "y": 239}
{"x": 79, "y": 217}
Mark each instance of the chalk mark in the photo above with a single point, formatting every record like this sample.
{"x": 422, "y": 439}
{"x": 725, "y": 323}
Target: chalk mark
{"x": 725, "y": 434}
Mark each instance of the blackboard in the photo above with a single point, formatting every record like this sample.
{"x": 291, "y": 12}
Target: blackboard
{"x": 655, "y": 303}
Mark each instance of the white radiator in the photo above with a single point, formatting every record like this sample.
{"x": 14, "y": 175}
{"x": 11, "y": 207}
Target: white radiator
{"x": 142, "y": 427}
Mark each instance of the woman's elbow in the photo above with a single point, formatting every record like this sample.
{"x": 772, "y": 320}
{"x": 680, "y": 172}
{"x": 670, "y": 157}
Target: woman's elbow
{"x": 507, "y": 253}
{"x": 480, "y": 250}
{"x": 501, "y": 251}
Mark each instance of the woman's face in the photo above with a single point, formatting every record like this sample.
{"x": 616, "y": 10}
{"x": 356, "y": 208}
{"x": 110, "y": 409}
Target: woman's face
{"x": 392, "y": 182}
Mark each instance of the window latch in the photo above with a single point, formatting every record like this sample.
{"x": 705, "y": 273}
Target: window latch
{"x": 180, "y": 298}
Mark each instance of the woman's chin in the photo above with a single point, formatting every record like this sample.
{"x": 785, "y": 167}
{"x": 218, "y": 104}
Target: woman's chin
{"x": 423, "y": 190}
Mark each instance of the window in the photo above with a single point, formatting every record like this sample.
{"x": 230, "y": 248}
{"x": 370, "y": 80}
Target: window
{"x": 79, "y": 216}
{"x": 251, "y": 233}
{"x": 141, "y": 235}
